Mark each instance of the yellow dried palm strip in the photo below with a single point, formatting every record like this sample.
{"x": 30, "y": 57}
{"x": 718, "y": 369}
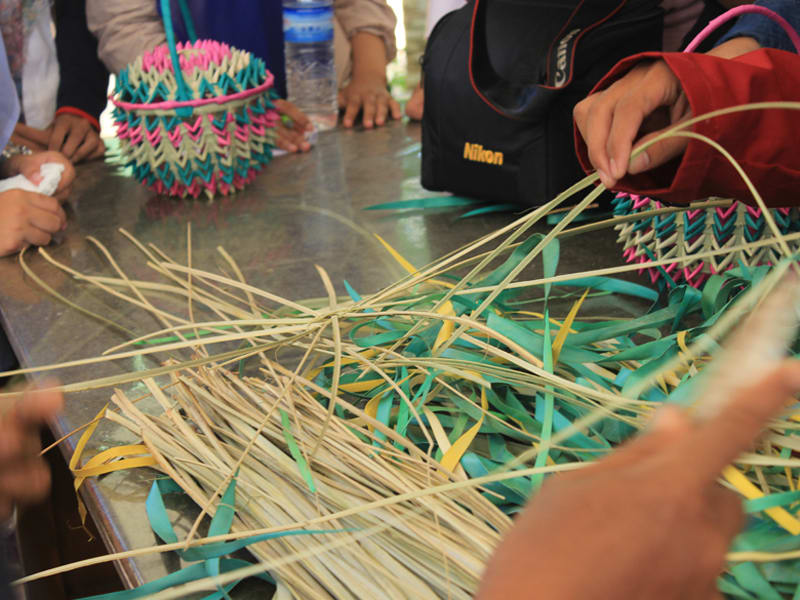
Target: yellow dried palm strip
{"x": 453, "y": 455}
{"x": 564, "y": 329}
{"x": 492, "y": 296}
{"x": 745, "y": 487}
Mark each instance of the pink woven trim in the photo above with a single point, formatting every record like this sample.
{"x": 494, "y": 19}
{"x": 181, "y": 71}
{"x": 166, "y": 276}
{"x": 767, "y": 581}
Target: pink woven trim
{"x": 740, "y": 10}
{"x": 173, "y": 104}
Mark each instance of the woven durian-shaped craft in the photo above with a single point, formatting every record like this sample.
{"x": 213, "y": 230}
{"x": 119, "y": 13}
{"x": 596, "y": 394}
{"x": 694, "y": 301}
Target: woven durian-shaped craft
{"x": 195, "y": 118}
{"x": 708, "y": 240}
{"x": 711, "y": 239}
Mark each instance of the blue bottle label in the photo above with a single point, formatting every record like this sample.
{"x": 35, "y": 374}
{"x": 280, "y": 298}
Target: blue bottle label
{"x": 308, "y": 25}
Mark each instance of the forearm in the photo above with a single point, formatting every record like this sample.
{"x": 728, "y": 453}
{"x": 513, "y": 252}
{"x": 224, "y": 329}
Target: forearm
{"x": 369, "y": 56}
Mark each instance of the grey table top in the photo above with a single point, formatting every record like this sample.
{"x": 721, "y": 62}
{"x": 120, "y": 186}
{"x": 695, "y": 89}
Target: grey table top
{"x": 301, "y": 211}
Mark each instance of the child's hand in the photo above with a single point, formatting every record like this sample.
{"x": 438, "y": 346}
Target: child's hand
{"x": 29, "y": 165}
{"x": 368, "y": 94}
{"x": 293, "y": 128}
{"x": 28, "y": 218}
{"x": 75, "y": 137}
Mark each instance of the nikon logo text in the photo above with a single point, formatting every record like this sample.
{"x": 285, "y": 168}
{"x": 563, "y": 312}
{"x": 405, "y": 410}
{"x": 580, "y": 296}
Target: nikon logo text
{"x": 477, "y": 153}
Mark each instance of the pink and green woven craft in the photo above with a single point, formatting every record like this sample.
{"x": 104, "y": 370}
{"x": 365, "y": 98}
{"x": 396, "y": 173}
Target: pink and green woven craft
{"x": 694, "y": 232}
{"x": 691, "y": 232}
{"x": 196, "y": 118}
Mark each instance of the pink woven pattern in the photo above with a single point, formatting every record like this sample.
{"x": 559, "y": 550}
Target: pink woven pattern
{"x": 175, "y": 147}
{"x": 216, "y": 185}
{"x": 199, "y": 55}
{"x": 193, "y": 130}
{"x": 704, "y": 241}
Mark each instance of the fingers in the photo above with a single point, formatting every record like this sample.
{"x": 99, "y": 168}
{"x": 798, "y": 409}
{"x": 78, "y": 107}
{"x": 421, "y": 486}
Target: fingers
{"x": 75, "y": 138}
{"x": 39, "y": 404}
{"x": 670, "y": 424}
{"x": 35, "y": 146}
{"x": 395, "y": 109}
{"x": 99, "y": 150}
{"x": 38, "y": 136}
{"x": 718, "y": 442}
{"x": 725, "y": 508}
{"x": 658, "y": 154}
{"x": 594, "y": 116}
{"x": 26, "y": 482}
{"x": 291, "y": 140}
{"x": 34, "y": 236}
{"x": 58, "y": 134}
{"x": 300, "y": 122}
{"x": 665, "y": 150}
{"x": 46, "y": 221}
{"x": 353, "y": 105}
{"x": 658, "y": 87}
{"x": 386, "y": 106}
{"x": 610, "y": 121}
{"x": 92, "y": 144}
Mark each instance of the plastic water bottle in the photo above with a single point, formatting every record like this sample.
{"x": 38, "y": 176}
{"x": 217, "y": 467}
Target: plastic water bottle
{"x": 310, "y": 70}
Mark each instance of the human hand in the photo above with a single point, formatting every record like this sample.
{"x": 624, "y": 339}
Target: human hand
{"x": 24, "y": 476}
{"x": 30, "y": 137}
{"x": 649, "y": 521}
{"x": 28, "y": 218}
{"x": 635, "y": 109}
{"x": 75, "y": 137}
{"x": 292, "y": 129}
{"x": 368, "y": 94}
{"x": 29, "y": 165}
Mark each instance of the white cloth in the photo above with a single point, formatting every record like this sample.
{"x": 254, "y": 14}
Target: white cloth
{"x": 51, "y": 177}
{"x": 437, "y": 9}
{"x": 40, "y": 73}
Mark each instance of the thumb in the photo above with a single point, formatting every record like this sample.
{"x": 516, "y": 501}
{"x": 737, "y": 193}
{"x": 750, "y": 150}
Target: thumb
{"x": 669, "y": 425}
{"x": 658, "y": 154}
{"x": 30, "y": 170}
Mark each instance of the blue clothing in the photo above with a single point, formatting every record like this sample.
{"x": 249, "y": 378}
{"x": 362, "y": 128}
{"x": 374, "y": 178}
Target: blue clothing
{"x": 9, "y": 102}
{"x": 9, "y": 114}
{"x": 763, "y": 29}
{"x": 252, "y": 25}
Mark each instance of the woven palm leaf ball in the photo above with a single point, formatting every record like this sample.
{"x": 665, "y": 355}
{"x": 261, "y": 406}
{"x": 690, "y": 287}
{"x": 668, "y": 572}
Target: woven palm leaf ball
{"x": 209, "y": 130}
{"x": 696, "y": 235}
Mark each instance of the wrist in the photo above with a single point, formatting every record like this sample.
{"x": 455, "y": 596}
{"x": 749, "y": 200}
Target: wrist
{"x": 370, "y": 77}
{"x": 735, "y": 47}
{"x": 77, "y": 112}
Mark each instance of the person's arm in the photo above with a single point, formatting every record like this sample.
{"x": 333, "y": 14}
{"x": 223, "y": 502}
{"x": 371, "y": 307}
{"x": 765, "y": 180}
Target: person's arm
{"x": 367, "y": 90}
{"x": 646, "y": 93}
{"x": 369, "y": 25}
{"x": 125, "y": 29}
{"x": 764, "y": 30}
{"x": 641, "y": 98}
{"x": 648, "y": 521}
{"x": 82, "y": 87}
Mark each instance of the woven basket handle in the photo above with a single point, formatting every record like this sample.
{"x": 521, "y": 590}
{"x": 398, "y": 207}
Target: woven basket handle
{"x": 740, "y": 10}
{"x": 184, "y": 91}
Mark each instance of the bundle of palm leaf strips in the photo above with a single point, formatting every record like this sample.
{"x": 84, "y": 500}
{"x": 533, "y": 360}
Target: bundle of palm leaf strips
{"x": 402, "y": 430}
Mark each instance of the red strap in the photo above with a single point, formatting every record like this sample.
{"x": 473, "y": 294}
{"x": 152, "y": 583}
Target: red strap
{"x": 71, "y": 110}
